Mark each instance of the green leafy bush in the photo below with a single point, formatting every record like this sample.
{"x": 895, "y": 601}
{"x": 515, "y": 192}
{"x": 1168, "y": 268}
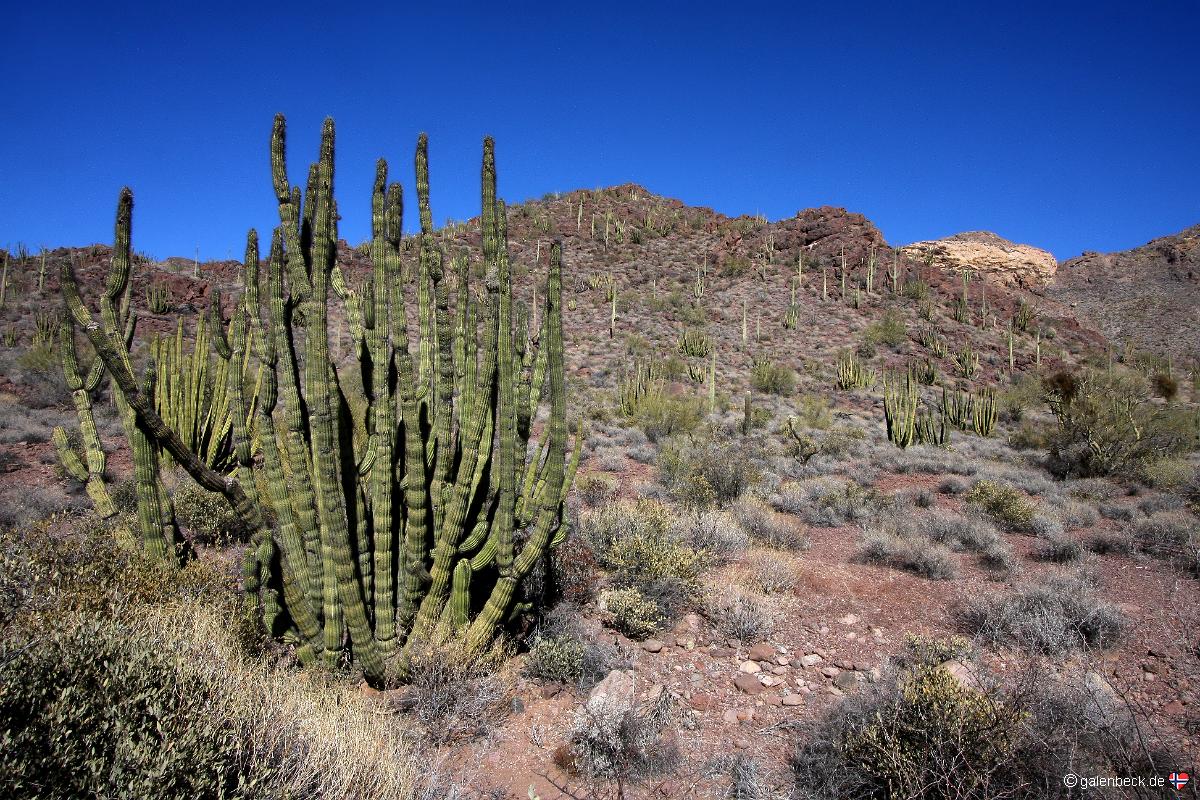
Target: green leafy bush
{"x": 1003, "y": 503}
{"x": 1108, "y": 425}
{"x": 771, "y": 378}
{"x": 888, "y": 330}
{"x": 630, "y": 613}
{"x": 96, "y": 710}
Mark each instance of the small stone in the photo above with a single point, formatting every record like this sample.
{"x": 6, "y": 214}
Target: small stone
{"x": 748, "y": 684}
{"x": 702, "y": 702}
{"x": 741, "y": 744}
{"x": 774, "y": 700}
{"x": 745, "y": 715}
{"x": 782, "y": 661}
{"x": 830, "y": 672}
{"x": 792, "y": 700}
{"x": 720, "y": 652}
{"x": 862, "y": 666}
{"x": 761, "y": 652}
{"x": 768, "y": 680}
{"x": 811, "y": 660}
{"x": 1153, "y": 666}
{"x": 550, "y": 690}
{"x": 836, "y": 692}
{"x": 851, "y": 636}
{"x": 823, "y": 629}
{"x": 731, "y": 716}
{"x": 653, "y": 645}
{"x": 1149, "y": 676}
{"x": 849, "y": 619}
{"x": 750, "y": 667}
{"x": 842, "y": 663}
{"x": 779, "y": 671}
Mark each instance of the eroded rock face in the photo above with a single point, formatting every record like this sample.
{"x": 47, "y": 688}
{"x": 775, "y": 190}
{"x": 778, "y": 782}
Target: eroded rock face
{"x": 1004, "y": 262}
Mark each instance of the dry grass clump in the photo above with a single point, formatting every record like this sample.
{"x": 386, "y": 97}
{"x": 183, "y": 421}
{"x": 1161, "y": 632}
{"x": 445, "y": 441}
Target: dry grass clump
{"x": 742, "y": 614}
{"x": 767, "y": 571}
{"x": 765, "y": 527}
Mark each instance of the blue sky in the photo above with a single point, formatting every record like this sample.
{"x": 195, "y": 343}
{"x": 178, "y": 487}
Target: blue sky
{"x": 1070, "y": 128}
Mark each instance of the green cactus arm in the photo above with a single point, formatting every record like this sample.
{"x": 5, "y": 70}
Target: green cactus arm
{"x": 71, "y": 463}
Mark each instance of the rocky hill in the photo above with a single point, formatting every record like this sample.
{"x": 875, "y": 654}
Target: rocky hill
{"x": 1004, "y": 262}
{"x": 1148, "y": 296}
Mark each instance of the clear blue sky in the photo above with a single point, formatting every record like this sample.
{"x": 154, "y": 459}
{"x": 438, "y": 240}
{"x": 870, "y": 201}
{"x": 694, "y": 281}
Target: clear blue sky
{"x": 1071, "y": 128}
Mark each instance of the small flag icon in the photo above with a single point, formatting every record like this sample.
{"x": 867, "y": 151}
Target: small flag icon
{"x": 1178, "y": 780}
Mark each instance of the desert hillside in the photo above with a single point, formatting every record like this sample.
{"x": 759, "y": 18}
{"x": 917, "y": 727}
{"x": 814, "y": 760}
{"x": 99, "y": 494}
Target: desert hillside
{"x": 827, "y": 487}
{"x": 1145, "y": 297}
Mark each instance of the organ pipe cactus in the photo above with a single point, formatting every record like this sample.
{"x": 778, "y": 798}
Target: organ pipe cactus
{"x": 158, "y": 298}
{"x": 427, "y": 517}
{"x": 851, "y": 374}
{"x": 983, "y": 412}
{"x": 900, "y": 405}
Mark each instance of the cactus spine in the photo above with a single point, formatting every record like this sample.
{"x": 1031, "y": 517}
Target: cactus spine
{"x": 433, "y": 484}
{"x": 4, "y": 281}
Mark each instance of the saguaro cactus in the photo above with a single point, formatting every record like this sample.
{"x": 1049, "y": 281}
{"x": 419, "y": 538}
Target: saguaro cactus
{"x": 426, "y": 515}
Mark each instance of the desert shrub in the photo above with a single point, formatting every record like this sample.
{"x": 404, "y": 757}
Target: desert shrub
{"x": 1108, "y": 425}
{"x": 1165, "y": 473}
{"x": 1110, "y": 543}
{"x": 602, "y": 528}
{"x": 95, "y": 710}
{"x": 454, "y": 694}
{"x": 1118, "y": 513}
{"x": 622, "y": 742}
{"x": 727, "y": 467}
{"x": 1055, "y": 616}
{"x": 1165, "y": 386}
{"x": 596, "y": 487}
{"x": 1046, "y": 526}
{"x": 771, "y": 378}
{"x": 120, "y": 683}
{"x": 555, "y": 658}
{"x": 746, "y": 779}
{"x": 923, "y": 734}
{"x": 739, "y": 614}
{"x": 828, "y": 504}
{"x": 713, "y": 532}
{"x": 1058, "y": 549}
{"x": 1075, "y": 515}
{"x": 765, "y": 527}
{"x": 918, "y": 555}
{"x": 916, "y": 290}
{"x": 1030, "y": 435}
{"x": 206, "y": 515}
{"x": 812, "y": 411}
{"x": 574, "y": 570}
{"x": 649, "y": 553}
{"x": 888, "y": 330}
{"x": 1003, "y": 503}
{"x": 958, "y": 531}
{"x": 660, "y": 414}
{"x": 768, "y": 573}
{"x": 1171, "y": 534}
{"x": 953, "y": 486}
{"x": 630, "y": 613}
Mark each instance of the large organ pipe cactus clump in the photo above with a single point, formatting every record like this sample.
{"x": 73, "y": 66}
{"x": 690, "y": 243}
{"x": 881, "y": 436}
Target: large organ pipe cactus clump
{"x": 424, "y": 515}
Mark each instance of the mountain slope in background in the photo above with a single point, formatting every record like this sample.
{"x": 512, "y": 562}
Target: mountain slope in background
{"x": 1148, "y": 296}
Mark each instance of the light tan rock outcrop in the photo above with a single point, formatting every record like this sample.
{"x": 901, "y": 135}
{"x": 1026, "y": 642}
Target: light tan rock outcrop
{"x": 1004, "y": 262}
